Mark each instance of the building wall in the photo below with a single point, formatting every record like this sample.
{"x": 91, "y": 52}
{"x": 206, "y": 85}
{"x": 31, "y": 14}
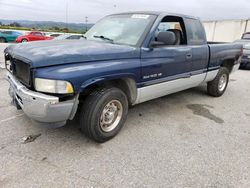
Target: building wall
{"x": 226, "y": 30}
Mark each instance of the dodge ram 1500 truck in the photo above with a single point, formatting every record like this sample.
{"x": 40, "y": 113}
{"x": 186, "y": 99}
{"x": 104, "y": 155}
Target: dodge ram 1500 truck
{"x": 125, "y": 59}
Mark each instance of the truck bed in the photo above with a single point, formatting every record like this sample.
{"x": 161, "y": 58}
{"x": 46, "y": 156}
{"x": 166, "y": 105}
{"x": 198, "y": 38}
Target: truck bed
{"x": 220, "y": 51}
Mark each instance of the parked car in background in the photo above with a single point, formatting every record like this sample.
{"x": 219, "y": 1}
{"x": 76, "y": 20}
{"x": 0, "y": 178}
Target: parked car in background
{"x": 9, "y": 36}
{"x": 245, "y": 62}
{"x": 245, "y": 41}
{"x": 69, "y": 36}
{"x": 55, "y": 35}
{"x": 246, "y": 36}
{"x": 33, "y": 36}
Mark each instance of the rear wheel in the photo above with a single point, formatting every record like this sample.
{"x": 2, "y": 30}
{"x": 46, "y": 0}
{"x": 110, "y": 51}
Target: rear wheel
{"x": 2, "y": 40}
{"x": 24, "y": 40}
{"x": 218, "y": 86}
{"x": 103, "y": 114}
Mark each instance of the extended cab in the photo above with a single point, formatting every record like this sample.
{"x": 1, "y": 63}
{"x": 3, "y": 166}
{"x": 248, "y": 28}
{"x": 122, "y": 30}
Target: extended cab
{"x": 125, "y": 59}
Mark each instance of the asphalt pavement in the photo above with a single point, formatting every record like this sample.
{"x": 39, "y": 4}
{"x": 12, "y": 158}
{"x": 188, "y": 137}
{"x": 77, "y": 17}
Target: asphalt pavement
{"x": 187, "y": 139}
{"x": 2, "y": 47}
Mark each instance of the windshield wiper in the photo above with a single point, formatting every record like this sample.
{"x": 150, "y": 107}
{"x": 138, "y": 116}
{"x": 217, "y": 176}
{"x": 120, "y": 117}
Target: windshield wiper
{"x": 103, "y": 38}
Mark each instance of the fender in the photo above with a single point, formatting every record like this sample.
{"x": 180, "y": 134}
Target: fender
{"x": 128, "y": 79}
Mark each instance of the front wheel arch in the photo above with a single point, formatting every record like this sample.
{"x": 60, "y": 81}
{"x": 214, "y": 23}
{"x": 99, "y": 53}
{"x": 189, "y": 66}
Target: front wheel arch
{"x": 25, "y": 39}
{"x": 126, "y": 84}
{"x": 3, "y": 39}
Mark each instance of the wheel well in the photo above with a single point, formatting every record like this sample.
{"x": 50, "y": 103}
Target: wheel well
{"x": 127, "y": 85}
{"x": 229, "y": 63}
{"x": 3, "y": 38}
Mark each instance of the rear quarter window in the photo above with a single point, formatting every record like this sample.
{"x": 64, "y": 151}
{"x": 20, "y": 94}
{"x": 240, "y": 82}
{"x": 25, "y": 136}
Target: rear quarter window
{"x": 38, "y": 34}
{"x": 195, "y": 32}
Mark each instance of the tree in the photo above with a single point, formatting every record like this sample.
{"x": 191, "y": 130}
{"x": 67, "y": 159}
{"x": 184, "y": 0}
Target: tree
{"x": 15, "y": 24}
{"x": 56, "y": 28}
{"x": 66, "y": 30}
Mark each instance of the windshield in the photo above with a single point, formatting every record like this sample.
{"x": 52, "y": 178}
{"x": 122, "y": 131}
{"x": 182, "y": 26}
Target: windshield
{"x": 121, "y": 29}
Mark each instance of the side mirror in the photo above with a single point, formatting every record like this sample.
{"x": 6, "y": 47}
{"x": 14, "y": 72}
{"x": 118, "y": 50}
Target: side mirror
{"x": 166, "y": 38}
{"x": 154, "y": 44}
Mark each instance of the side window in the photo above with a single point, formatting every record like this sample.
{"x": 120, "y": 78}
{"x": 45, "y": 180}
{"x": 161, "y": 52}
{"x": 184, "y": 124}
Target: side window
{"x": 37, "y": 34}
{"x": 195, "y": 32}
{"x": 7, "y": 32}
{"x": 171, "y": 31}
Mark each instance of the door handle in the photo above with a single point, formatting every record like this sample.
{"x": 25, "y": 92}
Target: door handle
{"x": 189, "y": 56}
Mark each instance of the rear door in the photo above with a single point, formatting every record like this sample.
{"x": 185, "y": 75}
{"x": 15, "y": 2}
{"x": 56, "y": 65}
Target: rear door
{"x": 196, "y": 39}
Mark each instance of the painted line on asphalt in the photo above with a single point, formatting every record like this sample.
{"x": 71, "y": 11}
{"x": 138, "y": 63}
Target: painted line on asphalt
{"x": 11, "y": 118}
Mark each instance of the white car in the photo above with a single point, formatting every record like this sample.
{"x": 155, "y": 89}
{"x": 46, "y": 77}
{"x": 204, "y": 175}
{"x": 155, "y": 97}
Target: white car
{"x": 69, "y": 36}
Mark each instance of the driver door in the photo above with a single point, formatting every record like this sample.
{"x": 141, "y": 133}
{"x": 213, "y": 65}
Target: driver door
{"x": 165, "y": 68}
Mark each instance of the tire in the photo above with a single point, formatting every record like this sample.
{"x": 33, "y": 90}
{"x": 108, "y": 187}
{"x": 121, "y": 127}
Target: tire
{"x": 103, "y": 114}
{"x": 218, "y": 86}
{"x": 2, "y": 40}
{"x": 24, "y": 40}
{"x": 247, "y": 66}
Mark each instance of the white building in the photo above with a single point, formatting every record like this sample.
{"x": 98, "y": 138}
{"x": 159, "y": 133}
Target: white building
{"x": 226, "y": 30}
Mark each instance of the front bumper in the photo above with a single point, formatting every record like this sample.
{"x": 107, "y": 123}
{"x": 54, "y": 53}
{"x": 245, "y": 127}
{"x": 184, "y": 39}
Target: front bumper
{"x": 40, "y": 107}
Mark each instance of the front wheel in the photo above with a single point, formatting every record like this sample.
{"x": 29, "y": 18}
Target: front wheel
{"x": 218, "y": 86}
{"x": 104, "y": 113}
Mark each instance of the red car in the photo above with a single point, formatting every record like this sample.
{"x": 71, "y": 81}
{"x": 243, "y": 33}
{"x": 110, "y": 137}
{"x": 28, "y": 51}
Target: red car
{"x": 32, "y": 36}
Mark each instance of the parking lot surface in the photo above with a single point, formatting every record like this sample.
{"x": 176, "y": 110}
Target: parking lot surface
{"x": 2, "y": 47}
{"x": 187, "y": 139}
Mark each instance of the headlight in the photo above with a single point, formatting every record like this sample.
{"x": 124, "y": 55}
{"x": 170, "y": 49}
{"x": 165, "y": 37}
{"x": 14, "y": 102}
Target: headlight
{"x": 53, "y": 86}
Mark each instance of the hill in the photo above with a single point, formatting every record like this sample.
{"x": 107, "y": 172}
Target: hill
{"x": 49, "y": 25}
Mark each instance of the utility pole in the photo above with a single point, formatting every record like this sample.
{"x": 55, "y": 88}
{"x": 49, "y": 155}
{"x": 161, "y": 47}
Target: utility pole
{"x": 67, "y": 7}
{"x": 86, "y": 22}
{"x": 115, "y": 6}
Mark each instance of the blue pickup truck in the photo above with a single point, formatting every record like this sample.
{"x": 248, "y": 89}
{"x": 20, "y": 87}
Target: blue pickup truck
{"x": 125, "y": 59}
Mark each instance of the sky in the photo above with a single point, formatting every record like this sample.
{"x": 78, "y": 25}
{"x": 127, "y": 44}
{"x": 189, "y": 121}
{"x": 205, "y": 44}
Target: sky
{"x": 55, "y": 10}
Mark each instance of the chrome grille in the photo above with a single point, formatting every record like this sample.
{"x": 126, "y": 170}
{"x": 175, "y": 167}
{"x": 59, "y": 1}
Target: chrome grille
{"x": 19, "y": 69}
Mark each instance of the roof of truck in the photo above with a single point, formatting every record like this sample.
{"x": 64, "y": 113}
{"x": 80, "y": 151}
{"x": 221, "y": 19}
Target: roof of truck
{"x": 157, "y": 13}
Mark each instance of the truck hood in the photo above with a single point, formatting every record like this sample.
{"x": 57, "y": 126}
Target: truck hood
{"x": 56, "y": 52}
